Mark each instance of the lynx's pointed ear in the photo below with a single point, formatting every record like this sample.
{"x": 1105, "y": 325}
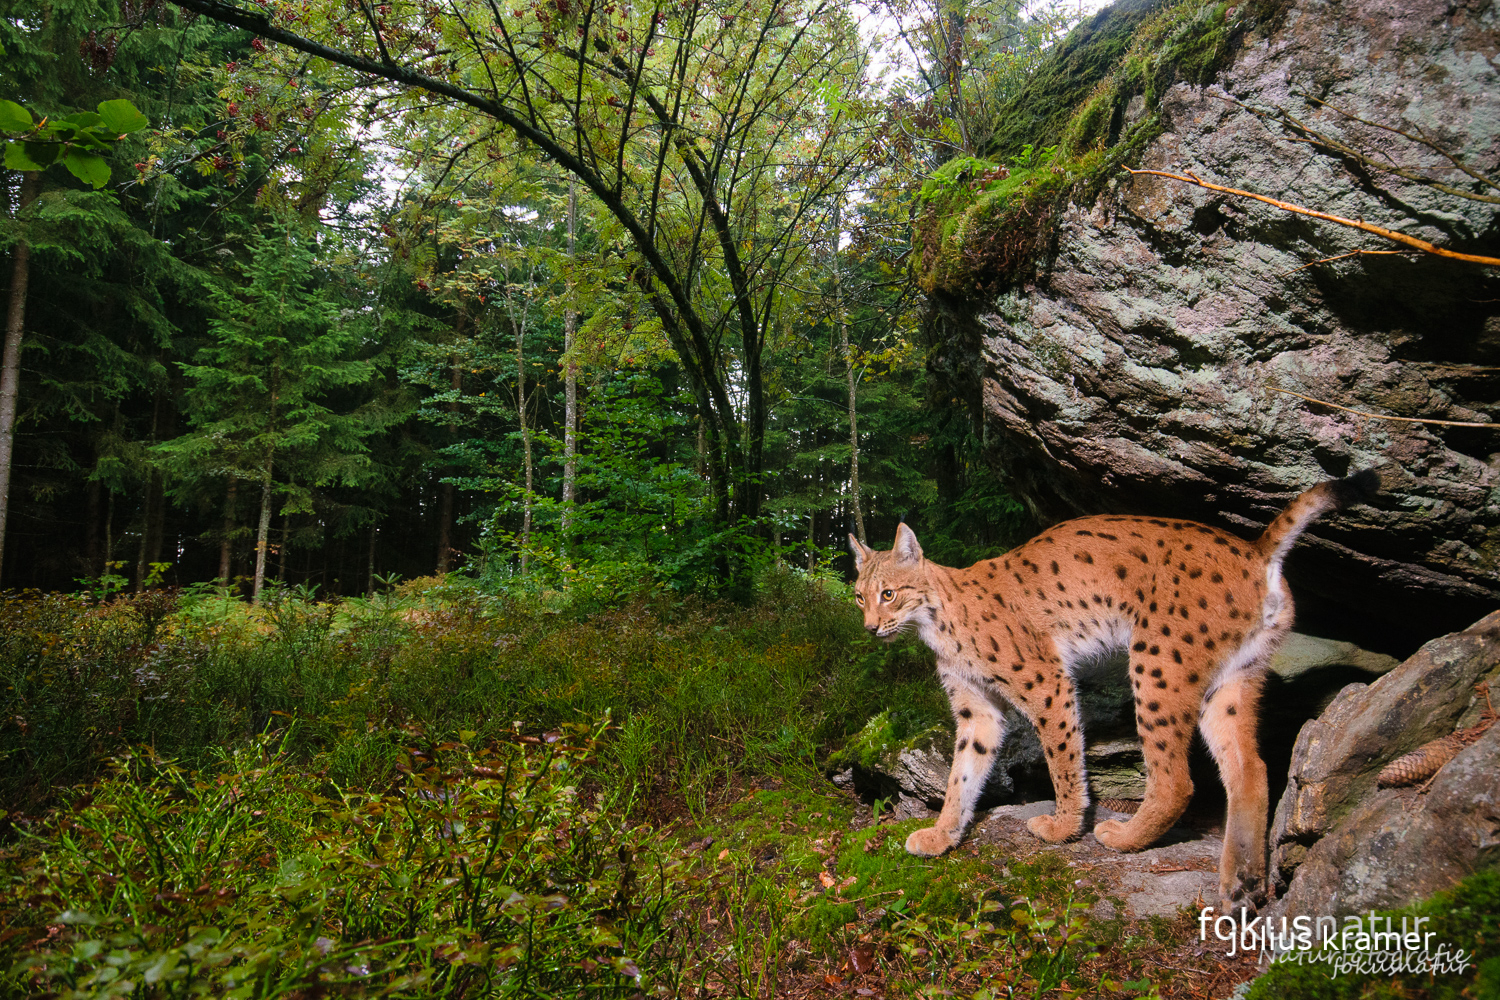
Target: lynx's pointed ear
{"x": 861, "y": 552}
{"x": 906, "y": 547}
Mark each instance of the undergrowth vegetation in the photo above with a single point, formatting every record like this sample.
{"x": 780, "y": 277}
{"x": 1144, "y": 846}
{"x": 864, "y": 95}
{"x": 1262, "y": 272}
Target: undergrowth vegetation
{"x": 446, "y": 792}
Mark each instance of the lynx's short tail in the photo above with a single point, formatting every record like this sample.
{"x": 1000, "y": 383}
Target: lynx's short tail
{"x": 1335, "y": 494}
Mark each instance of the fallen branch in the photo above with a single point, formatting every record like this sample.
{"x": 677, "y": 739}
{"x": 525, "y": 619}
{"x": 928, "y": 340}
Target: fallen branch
{"x": 1382, "y": 416}
{"x": 1367, "y": 227}
{"x": 1421, "y": 139}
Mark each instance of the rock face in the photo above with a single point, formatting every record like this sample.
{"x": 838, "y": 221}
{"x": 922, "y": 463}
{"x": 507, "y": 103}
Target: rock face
{"x": 1346, "y": 846}
{"x": 1136, "y": 372}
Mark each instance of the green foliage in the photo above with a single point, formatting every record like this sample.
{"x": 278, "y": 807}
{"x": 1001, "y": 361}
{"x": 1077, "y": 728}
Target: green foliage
{"x": 474, "y": 870}
{"x": 78, "y": 141}
{"x": 259, "y": 389}
{"x": 405, "y": 795}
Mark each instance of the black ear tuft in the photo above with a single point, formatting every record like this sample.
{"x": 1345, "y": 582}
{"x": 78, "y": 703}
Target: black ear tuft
{"x": 1358, "y": 488}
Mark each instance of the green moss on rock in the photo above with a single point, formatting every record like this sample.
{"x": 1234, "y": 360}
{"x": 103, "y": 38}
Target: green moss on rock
{"x": 882, "y": 740}
{"x": 1089, "y": 109}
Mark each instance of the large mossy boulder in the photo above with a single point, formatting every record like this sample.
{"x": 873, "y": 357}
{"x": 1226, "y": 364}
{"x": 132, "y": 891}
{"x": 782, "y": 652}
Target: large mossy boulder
{"x": 1127, "y": 339}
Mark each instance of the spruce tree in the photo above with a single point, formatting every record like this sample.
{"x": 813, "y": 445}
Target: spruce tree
{"x": 261, "y": 392}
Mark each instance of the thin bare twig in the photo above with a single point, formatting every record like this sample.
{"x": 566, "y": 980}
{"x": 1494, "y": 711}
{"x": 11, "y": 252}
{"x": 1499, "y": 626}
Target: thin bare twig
{"x": 1421, "y": 139}
{"x": 1351, "y": 253}
{"x": 1367, "y": 227}
{"x": 1382, "y": 416}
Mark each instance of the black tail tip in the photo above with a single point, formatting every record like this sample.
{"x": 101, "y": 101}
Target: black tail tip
{"x": 1358, "y": 488}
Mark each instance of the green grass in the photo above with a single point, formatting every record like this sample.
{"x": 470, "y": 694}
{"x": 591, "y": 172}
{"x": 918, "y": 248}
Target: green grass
{"x": 445, "y": 792}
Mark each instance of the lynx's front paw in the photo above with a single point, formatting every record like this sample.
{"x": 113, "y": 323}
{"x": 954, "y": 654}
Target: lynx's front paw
{"x": 929, "y": 842}
{"x": 1055, "y": 829}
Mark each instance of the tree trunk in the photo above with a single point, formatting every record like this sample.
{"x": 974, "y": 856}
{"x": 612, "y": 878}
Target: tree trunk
{"x": 262, "y": 534}
{"x": 370, "y": 565}
{"x": 10, "y": 360}
{"x": 525, "y": 442}
{"x": 91, "y": 533}
{"x": 148, "y": 504}
{"x": 226, "y": 547}
{"x": 838, "y": 305}
{"x": 570, "y": 387}
{"x": 445, "y": 528}
{"x": 140, "y": 556}
{"x": 109, "y": 533}
{"x": 166, "y": 429}
{"x": 445, "y": 490}
{"x": 286, "y": 532}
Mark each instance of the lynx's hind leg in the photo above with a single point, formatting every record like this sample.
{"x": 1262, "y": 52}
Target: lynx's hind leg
{"x": 979, "y": 732}
{"x": 1229, "y": 718}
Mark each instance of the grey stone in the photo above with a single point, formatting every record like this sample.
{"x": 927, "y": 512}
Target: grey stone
{"x": 1396, "y": 846}
{"x": 1302, "y": 653}
{"x": 1341, "y": 842}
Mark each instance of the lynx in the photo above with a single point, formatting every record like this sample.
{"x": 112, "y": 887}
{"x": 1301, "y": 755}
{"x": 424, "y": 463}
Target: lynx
{"x": 1200, "y": 612}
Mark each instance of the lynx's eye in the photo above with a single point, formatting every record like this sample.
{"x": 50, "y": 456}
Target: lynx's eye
{"x": 859, "y": 598}
{"x": 886, "y": 595}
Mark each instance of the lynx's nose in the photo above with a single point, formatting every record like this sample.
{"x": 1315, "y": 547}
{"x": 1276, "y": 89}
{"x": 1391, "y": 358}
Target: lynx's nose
{"x": 873, "y": 629}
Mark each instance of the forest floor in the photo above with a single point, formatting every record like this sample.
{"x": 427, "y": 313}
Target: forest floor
{"x": 442, "y": 792}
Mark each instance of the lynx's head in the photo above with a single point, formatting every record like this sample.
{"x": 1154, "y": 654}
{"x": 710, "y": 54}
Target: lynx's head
{"x": 892, "y": 586}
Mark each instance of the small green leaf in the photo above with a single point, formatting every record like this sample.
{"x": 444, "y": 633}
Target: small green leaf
{"x": 43, "y": 154}
{"x": 83, "y": 119}
{"x": 16, "y": 158}
{"x": 14, "y": 118}
{"x": 121, "y": 117}
{"x": 87, "y": 167}
{"x": 94, "y": 139}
